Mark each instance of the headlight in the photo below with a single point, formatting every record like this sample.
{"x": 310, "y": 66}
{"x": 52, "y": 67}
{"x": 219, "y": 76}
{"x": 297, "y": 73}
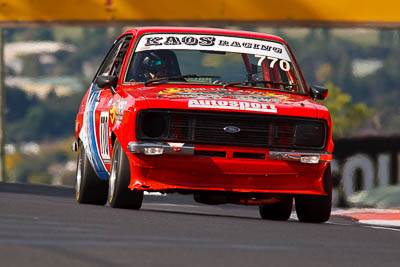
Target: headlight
{"x": 152, "y": 125}
{"x": 310, "y": 134}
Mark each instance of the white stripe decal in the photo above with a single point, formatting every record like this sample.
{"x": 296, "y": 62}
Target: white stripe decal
{"x": 88, "y": 135}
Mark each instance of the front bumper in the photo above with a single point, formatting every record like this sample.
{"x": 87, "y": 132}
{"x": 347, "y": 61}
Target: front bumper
{"x": 159, "y": 148}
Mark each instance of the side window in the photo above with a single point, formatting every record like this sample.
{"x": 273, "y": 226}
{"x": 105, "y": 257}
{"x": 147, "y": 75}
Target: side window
{"x": 119, "y": 59}
{"x": 108, "y": 62}
{"x": 113, "y": 63}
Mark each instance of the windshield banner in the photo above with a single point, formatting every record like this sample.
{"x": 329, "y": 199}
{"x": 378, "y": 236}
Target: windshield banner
{"x": 213, "y": 43}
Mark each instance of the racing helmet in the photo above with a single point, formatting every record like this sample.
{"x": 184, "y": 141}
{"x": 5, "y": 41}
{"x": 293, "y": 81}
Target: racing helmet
{"x": 154, "y": 63}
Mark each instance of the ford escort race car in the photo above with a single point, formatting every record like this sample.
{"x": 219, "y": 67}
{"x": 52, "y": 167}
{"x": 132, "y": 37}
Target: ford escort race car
{"x": 224, "y": 115}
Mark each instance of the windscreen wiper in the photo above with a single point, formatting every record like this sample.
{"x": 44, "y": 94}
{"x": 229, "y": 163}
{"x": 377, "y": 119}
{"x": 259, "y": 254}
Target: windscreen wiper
{"x": 180, "y": 78}
{"x": 248, "y": 84}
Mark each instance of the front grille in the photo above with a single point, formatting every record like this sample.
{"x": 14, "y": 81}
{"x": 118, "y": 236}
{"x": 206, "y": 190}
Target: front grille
{"x": 207, "y": 127}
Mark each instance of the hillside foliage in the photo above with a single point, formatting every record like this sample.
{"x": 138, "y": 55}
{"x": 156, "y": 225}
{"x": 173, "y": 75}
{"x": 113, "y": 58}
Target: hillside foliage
{"x": 324, "y": 57}
{"x": 365, "y": 103}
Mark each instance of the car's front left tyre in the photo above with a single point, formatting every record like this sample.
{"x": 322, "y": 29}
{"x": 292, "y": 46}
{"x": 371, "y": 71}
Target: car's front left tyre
{"x": 316, "y": 209}
{"x": 90, "y": 189}
{"x": 279, "y": 211}
{"x": 120, "y": 195}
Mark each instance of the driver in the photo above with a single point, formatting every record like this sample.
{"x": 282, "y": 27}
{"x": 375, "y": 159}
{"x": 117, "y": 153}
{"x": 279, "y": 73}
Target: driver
{"x": 155, "y": 66}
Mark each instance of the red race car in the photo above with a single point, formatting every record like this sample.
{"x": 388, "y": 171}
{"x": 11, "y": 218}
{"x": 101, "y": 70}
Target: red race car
{"x": 224, "y": 115}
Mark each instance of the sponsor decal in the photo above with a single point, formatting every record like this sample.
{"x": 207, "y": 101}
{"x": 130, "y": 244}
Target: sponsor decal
{"x": 232, "y": 105}
{"x": 220, "y": 93}
{"x": 213, "y": 43}
{"x": 104, "y": 144}
{"x": 109, "y": 104}
{"x": 117, "y": 111}
{"x": 113, "y": 114}
{"x": 173, "y": 91}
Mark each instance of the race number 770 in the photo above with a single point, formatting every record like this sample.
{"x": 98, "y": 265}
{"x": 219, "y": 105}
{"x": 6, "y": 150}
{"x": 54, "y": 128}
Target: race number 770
{"x": 283, "y": 64}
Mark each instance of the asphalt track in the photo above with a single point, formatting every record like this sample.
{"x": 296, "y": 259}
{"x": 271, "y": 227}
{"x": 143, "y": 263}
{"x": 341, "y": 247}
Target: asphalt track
{"x": 44, "y": 226}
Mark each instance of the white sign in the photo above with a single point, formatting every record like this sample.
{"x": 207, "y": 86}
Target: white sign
{"x": 213, "y": 43}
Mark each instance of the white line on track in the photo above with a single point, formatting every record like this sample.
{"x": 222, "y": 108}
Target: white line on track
{"x": 394, "y": 223}
{"x": 170, "y": 205}
{"x": 383, "y": 228}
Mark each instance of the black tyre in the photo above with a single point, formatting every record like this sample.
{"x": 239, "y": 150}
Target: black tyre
{"x": 316, "y": 209}
{"x": 90, "y": 189}
{"x": 120, "y": 196}
{"x": 279, "y": 211}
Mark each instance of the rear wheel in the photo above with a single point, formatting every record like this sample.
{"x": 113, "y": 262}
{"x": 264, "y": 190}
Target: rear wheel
{"x": 120, "y": 196}
{"x": 90, "y": 189}
{"x": 316, "y": 209}
{"x": 279, "y": 211}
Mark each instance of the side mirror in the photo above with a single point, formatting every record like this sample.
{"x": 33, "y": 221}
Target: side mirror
{"x": 104, "y": 81}
{"x": 318, "y": 92}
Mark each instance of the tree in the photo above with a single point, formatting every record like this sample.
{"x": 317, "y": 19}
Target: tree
{"x": 42, "y": 119}
{"x": 346, "y": 116}
{"x": 18, "y": 103}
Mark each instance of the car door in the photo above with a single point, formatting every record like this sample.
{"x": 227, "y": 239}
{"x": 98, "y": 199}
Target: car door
{"x": 95, "y": 128}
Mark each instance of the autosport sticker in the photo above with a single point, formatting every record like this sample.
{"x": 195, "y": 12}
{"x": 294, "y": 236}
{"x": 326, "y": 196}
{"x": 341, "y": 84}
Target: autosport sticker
{"x": 213, "y": 43}
{"x": 223, "y": 93}
{"x": 233, "y": 105}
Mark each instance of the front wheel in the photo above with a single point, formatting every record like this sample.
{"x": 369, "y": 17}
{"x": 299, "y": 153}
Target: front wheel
{"x": 316, "y": 209}
{"x": 120, "y": 196}
{"x": 90, "y": 189}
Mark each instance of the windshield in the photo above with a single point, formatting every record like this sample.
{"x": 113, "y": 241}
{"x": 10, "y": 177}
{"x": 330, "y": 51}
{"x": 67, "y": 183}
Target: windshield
{"x": 205, "y": 59}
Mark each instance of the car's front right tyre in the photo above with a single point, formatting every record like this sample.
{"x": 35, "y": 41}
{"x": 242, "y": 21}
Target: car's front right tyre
{"x": 120, "y": 195}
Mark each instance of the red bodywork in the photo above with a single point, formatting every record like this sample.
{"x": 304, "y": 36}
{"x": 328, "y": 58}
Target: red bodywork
{"x": 169, "y": 172}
